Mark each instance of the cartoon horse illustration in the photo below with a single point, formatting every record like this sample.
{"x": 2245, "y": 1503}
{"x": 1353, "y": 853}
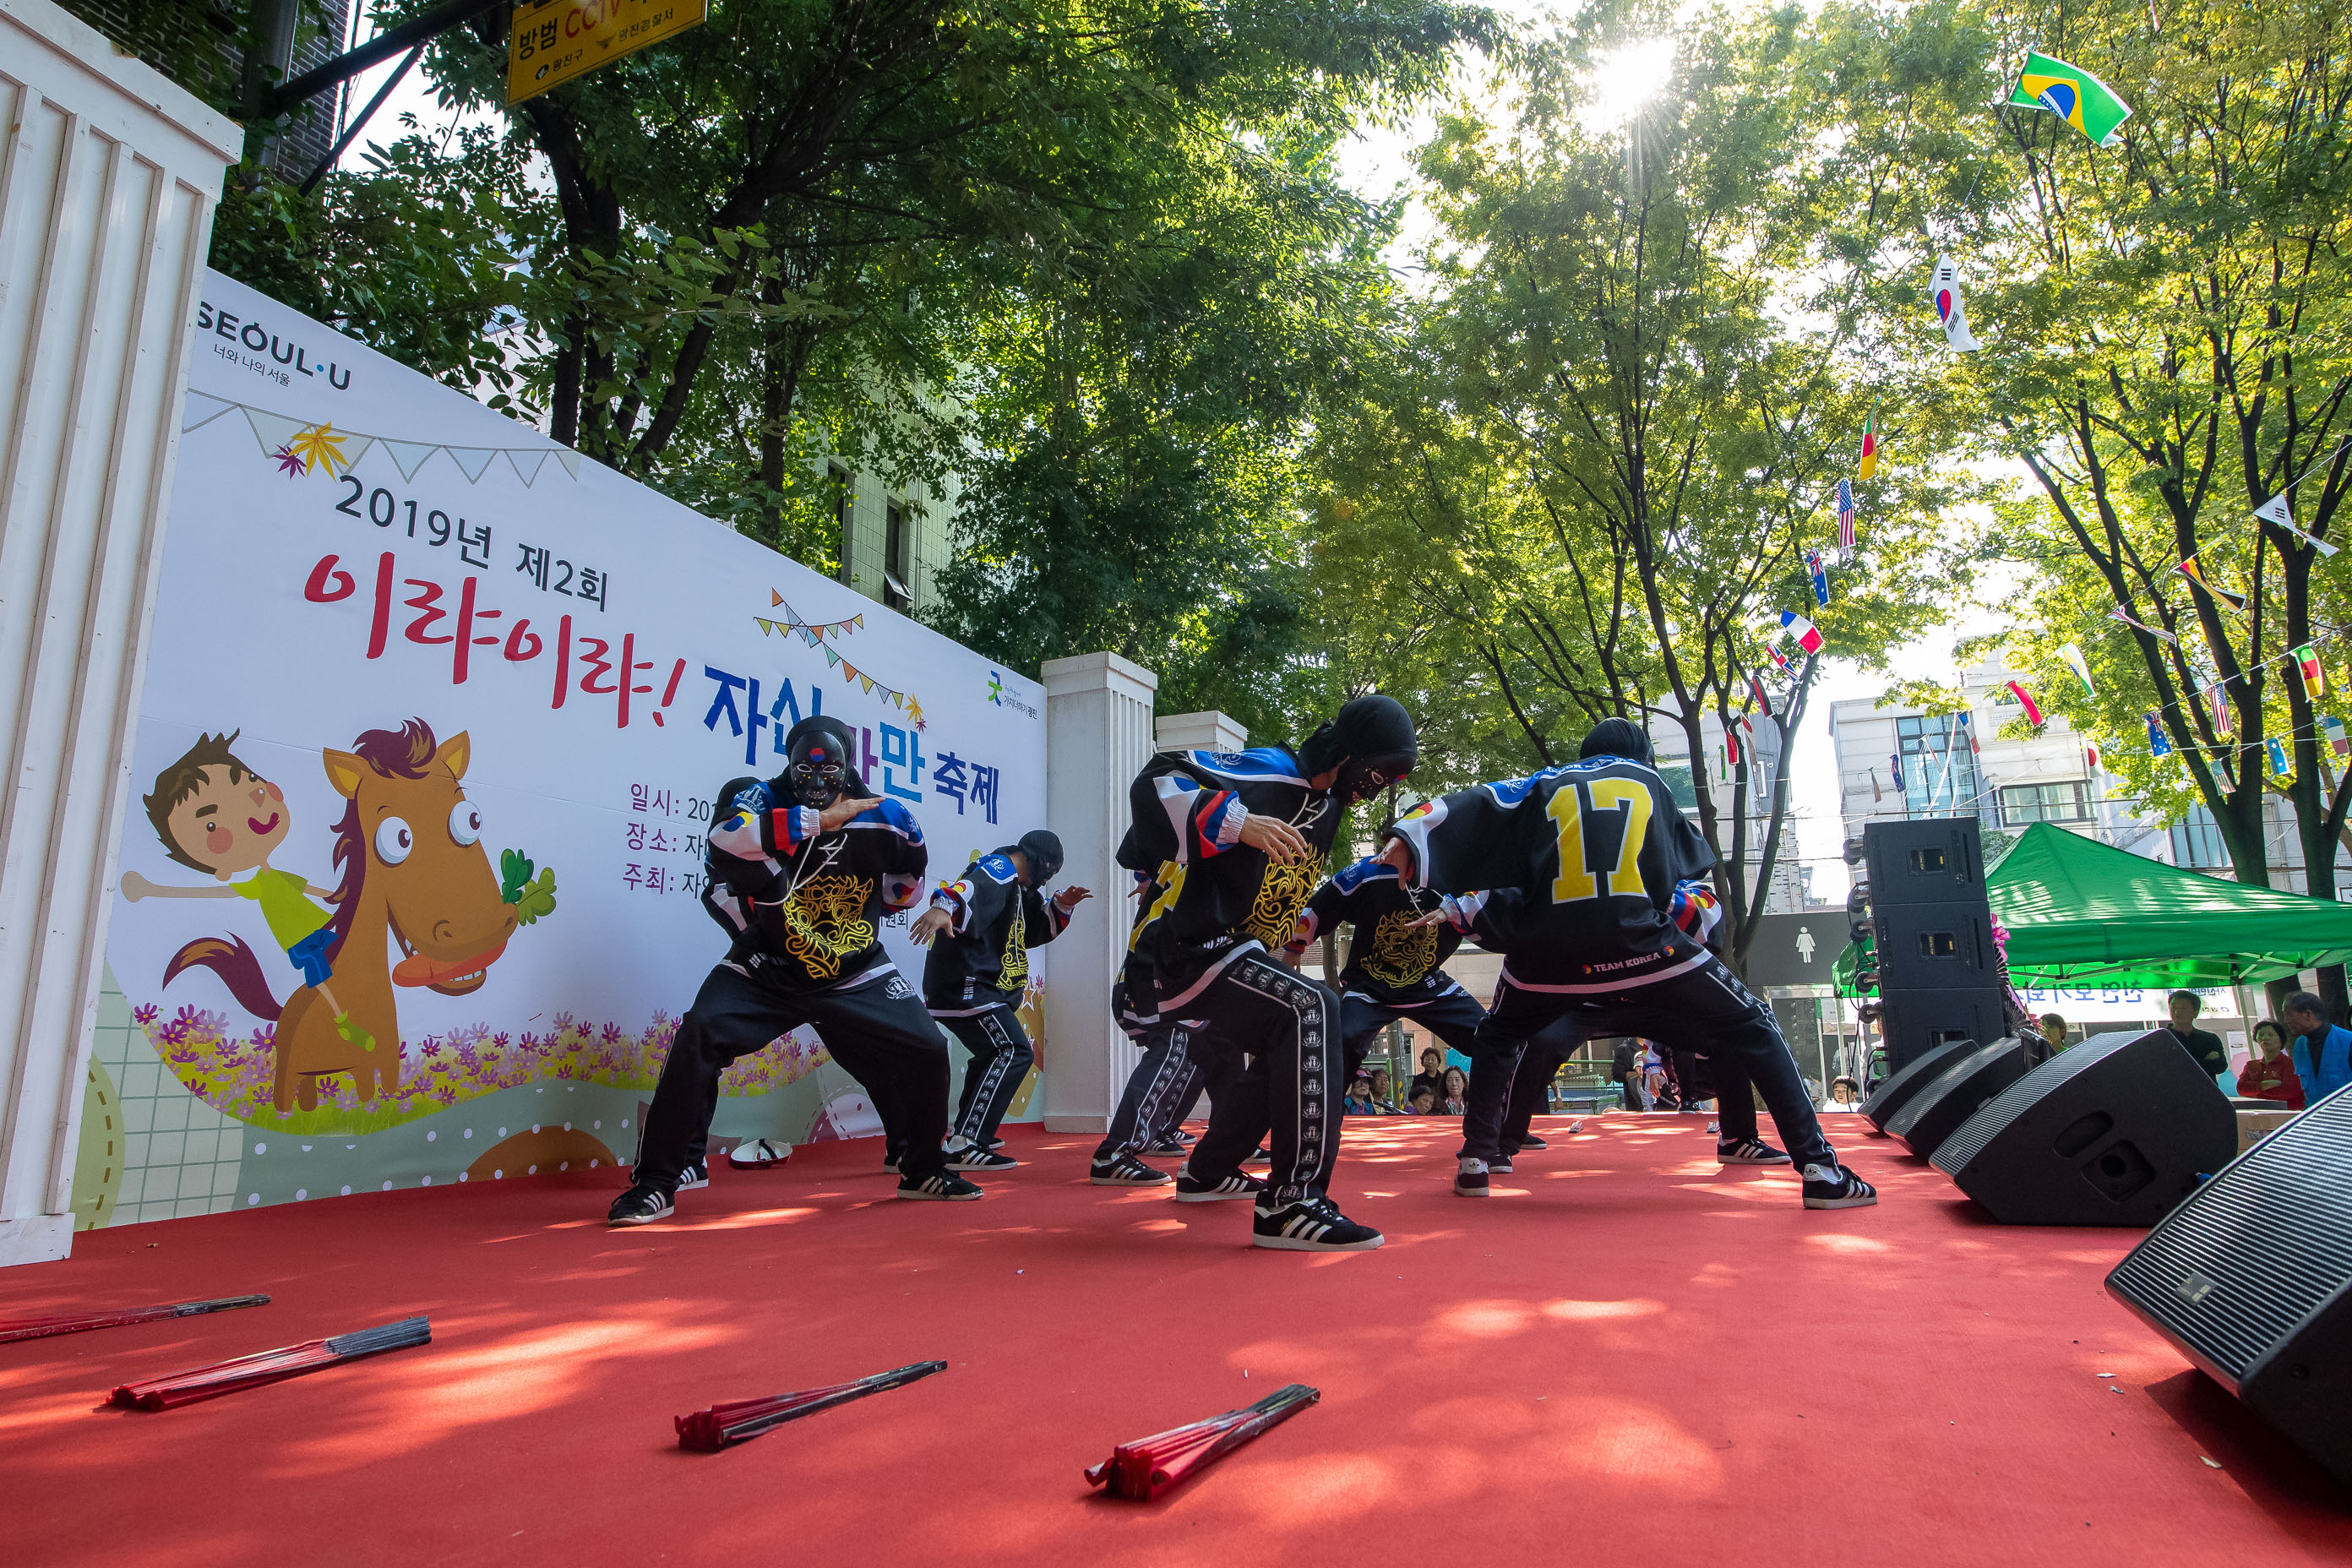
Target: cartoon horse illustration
{"x": 413, "y": 872}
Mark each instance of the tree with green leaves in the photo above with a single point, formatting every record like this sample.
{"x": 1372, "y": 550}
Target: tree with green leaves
{"x": 1641, "y": 381}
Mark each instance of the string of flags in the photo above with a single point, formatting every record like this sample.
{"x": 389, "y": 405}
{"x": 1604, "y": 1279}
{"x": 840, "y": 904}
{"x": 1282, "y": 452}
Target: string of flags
{"x": 810, "y": 632}
{"x": 300, "y": 446}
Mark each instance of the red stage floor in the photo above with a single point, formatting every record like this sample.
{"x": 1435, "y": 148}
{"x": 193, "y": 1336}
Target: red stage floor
{"x": 1626, "y": 1356}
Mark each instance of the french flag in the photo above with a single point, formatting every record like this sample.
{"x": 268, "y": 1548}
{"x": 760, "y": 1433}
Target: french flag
{"x": 1808, "y": 636}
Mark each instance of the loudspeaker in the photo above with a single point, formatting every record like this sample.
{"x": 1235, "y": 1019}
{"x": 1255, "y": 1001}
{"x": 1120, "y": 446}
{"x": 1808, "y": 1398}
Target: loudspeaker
{"x": 1936, "y": 946}
{"x": 1930, "y": 861}
{"x": 1896, "y": 1092}
{"x": 1914, "y": 1023}
{"x": 2251, "y": 1279}
{"x": 2114, "y": 1132}
{"x": 1959, "y": 1091}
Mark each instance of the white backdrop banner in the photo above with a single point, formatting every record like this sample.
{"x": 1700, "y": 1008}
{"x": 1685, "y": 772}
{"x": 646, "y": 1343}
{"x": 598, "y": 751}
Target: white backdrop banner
{"x": 432, "y": 723}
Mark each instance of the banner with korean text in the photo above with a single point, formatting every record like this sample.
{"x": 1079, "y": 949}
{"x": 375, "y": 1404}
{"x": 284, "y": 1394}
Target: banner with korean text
{"x": 435, "y": 712}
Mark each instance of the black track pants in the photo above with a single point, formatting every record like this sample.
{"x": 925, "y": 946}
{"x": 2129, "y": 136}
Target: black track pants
{"x": 1001, "y": 1057}
{"x": 874, "y": 1027}
{"x": 1267, "y": 1037}
{"x": 1453, "y": 1016}
{"x": 1162, "y": 1089}
{"x": 1703, "y": 1007}
{"x": 1541, "y": 1059}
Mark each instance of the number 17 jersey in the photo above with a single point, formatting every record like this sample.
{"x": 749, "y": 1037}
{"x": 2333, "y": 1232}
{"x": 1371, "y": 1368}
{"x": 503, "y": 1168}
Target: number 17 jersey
{"x": 1592, "y": 851}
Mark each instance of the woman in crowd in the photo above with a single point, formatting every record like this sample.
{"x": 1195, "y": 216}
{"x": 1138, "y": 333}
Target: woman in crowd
{"x": 2269, "y": 1071}
{"x": 1359, "y": 1100}
{"x": 1383, "y": 1093}
{"x": 1454, "y": 1099}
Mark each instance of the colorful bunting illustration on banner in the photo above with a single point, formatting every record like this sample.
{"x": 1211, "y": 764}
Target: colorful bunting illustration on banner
{"x": 1869, "y": 464}
{"x": 324, "y": 448}
{"x": 2277, "y": 510}
{"x": 1945, "y": 288}
{"x": 809, "y": 632}
{"x": 291, "y": 463}
{"x": 2025, "y": 699}
{"x": 2315, "y": 679}
{"x": 2188, "y": 568}
{"x": 2074, "y": 95}
{"x": 2073, "y": 655}
{"x": 2159, "y": 744}
{"x": 2158, "y": 633}
{"x": 1808, "y": 636}
{"x": 1846, "y": 518}
{"x": 2278, "y": 758}
{"x": 1820, "y": 574}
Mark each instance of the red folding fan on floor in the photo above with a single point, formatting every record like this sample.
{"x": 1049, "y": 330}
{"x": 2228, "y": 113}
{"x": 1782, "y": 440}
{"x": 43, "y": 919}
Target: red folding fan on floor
{"x": 74, "y": 1323}
{"x": 707, "y": 1431}
{"x": 271, "y": 1366}
{"x": 1146, "y": 1467}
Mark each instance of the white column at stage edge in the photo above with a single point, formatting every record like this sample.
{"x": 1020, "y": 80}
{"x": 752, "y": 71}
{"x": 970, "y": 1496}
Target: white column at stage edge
{"x": 1098, "y": 737}
{"x": 1210, "y": 731}
{"x": 107, "y": 176}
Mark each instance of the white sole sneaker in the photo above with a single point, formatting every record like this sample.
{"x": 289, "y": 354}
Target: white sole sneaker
{"x": 1291, "y": 1244}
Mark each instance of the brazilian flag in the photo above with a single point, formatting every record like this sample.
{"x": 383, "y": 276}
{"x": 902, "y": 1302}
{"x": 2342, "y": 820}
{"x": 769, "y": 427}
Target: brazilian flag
{"x": 2075, "y": 96}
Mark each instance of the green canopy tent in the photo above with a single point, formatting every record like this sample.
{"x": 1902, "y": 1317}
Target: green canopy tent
{"x": 2077, "y": 911}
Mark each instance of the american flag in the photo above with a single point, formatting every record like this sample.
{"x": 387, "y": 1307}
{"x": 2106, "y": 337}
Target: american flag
{"x": 1845, "y": 516}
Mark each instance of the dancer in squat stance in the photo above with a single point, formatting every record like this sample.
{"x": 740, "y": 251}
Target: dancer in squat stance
{"x": 1595, "y": 850}
{"x": 1395, "y": 961}
{"x": 1700, "y": 917}
{"x": 979, "y": 928}
{"x": 1166, "y": 1083}
{"x": 1246, "y": 831}
{"x": 803, "y": 866}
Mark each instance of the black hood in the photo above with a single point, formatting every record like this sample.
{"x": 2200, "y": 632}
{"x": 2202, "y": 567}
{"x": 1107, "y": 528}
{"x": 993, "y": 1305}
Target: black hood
{"x": 1617, "y": 738}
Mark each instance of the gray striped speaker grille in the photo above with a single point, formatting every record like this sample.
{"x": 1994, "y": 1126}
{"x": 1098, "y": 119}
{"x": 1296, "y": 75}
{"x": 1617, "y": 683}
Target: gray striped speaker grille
{"x": 2256, "y": 1250}
{"x": 1981, "y": 1130}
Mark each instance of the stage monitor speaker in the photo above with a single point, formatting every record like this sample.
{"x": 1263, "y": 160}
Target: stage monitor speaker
{"x": 1914, "y": 1023}
{"x": 2251, "y": 1279}
{"x": 1964, "y": 1087}
{"x": 1932, "y": 860}
{"x": 1936, "y": 946}
{"x": 2114, "y": 1132}
{"x": 1896, "y": 1090}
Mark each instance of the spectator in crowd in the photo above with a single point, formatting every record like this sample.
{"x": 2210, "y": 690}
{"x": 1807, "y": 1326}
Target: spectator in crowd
{"x": 1432, "y": 1076}
{"x": 2323, "y": 1051}
{"x": 2054, "y": 1032}
{"x": 2269, "y": 1071}
{"x": 1383, "y": 1093}
{"x": 1454, "y": 1100}
{"x": 1625, "y": 1071}
{"x": 2202, "y": 1044}
{"x": 1359, "y": 1098}
{"x": 1653, "y": 1074}
{"x": 1424, "y": 1101}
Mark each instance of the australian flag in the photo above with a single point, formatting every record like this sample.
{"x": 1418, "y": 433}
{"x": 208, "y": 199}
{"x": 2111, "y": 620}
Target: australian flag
{"x": 1846, "y": 518}
{"x": 1820, "y": 575}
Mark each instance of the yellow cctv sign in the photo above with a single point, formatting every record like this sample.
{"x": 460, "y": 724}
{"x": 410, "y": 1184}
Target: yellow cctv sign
{"x": 556, "y": 41}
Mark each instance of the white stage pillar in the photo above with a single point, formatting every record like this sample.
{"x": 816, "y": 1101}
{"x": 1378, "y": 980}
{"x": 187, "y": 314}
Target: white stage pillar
{"x": 107, "y": 176}
{"x": 1210, "y": 731}
{"x": 1098, "y": 737}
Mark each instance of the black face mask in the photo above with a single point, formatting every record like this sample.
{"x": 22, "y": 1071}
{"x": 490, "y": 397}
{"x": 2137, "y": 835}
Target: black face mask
{"x": 818, "y": 771}
{"x": 1362, "y": 778}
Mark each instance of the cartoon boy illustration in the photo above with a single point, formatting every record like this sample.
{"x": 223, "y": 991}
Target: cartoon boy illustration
{"x": 217, "y": 815}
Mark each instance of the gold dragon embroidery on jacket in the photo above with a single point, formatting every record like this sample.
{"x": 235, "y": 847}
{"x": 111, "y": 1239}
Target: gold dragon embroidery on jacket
{"x": 1399, "y": 953}
{"x": 1281, "y": 895}
{"x": 825, "y": 922}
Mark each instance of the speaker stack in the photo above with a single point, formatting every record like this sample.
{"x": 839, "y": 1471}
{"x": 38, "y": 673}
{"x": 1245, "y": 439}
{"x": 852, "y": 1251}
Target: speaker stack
{"x": 2251, "y": 1279}
{"x": 2115, "y": 1131}
{"x": 1930, "y": 924}
{"x": 1895, "y": 1091}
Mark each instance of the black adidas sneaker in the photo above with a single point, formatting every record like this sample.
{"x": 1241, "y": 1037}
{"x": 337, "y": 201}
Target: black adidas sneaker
{"x": 1125, "y": 1170}
{"x": 695, "y": 1176}
{"x": 1748, "y": 1152}
{"x": 1470, "y": 1180}
{"x": 1191, "y": 1189}
{"x": 1312, "y": 1224}
{"x": 1833, "y": 1186}
{"x": 972, "y": 1157}
{"x": 947, "y": 1187}
{"x": 1168, "y": 1145}
{"x": 641, "y": 1205}
{"x": 1500, "y": 1164}
{"x": 1532, "y": 1142}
